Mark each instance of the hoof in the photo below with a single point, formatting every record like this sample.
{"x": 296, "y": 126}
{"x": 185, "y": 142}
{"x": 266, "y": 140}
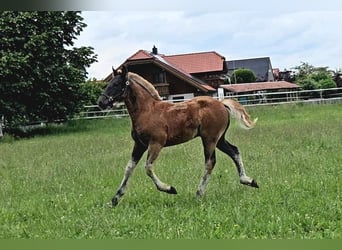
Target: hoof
{"x": 114, "y": 202}
{"x": 172, "y": 190}
{"x": 199, "y": 194}
{"x": 250, "y": 183}
{"x": 254, "y": 184}
{"x": 109, "y": 204}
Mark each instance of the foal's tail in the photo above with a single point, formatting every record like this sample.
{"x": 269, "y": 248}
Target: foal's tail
{"x": 240, "y": 113}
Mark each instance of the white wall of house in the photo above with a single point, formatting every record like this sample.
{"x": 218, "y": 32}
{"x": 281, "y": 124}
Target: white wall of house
{"x": 181, "y": 97}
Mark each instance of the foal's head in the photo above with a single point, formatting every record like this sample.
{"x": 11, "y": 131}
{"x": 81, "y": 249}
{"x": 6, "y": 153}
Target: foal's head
{"x": 114, "y": 90}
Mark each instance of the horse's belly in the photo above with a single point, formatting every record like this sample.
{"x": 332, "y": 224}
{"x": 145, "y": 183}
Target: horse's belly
{"x": 182, "y": 123}
{"x": 179, "y": 140}
{"x": 181, "y": 134}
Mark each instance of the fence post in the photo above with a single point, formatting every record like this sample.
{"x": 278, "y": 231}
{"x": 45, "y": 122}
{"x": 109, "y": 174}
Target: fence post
{"x": 2, "y": 121}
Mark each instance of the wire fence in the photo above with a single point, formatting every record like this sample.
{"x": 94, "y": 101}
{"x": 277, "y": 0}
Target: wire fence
{"x": 94, "y": 112}
{"x": 320, "y": 96}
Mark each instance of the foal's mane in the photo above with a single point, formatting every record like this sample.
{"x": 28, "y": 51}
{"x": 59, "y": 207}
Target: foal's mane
{"x": 145, "y": 84}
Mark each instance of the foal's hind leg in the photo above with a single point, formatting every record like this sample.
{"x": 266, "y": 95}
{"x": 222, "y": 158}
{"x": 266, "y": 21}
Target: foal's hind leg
{"x": 210, "y": 161}
{"x": 153, "y": 152}
{"x": 233, "y": 152}
{"x": 137, "y": 153}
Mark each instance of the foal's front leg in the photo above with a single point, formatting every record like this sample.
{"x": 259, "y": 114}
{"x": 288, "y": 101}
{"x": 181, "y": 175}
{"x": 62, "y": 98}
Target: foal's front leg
{"x": 153, "y": 152}
{"x": 137, "y": 153}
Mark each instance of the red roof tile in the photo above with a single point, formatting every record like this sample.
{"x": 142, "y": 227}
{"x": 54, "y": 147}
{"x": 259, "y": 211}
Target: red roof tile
{"x": 140, "y": 54}
{"x": 197, "y": 62}
{"x": 255, "y": 86}
{"x": 184, "y": 64}
{"x": 198, "y": 82}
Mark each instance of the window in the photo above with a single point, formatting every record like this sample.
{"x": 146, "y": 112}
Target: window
{"x": 177, "y": 99}
{"x": 159, "y": 77}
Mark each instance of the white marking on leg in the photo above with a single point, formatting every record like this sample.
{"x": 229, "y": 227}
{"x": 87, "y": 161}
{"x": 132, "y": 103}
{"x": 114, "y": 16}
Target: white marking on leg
{"x": 203, "y": 184}
{"x": 128, "y": 171}
{"x": 244, "y": 179}
{"x": 204, "y": 181}
{"x": 121, "y": 190}
{"x": 159, "y": 184}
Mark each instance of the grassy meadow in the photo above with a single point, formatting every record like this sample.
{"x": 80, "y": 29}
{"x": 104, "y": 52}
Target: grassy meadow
{"x": 56, "y": 184}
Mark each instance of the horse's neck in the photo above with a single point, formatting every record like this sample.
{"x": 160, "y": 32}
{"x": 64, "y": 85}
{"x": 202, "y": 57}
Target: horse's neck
{"x": 138, "y": 101}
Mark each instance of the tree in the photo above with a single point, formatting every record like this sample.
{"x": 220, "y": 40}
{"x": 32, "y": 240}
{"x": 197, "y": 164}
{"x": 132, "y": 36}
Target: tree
{"x": 242, "y": 76}
{"x": 304, "y": 70}
{"x": 92, "y": 89}
{"x": 310, "y": 77}
{"x": 338, "y": 77}
{"x": 41, "y": 71}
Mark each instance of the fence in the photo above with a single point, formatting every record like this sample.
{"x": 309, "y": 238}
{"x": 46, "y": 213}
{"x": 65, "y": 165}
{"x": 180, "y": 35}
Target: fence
{"x": 94, "y": 112}
{"x": 320, "y": 96}
{"x": 302, "y": 96}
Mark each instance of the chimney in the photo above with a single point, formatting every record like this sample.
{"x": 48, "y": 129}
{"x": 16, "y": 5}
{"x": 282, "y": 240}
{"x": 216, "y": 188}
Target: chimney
{"x": 155, "y": 50}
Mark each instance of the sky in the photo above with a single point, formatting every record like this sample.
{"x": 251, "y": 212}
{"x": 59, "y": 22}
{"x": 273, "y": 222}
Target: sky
{"x": 289, "y": 32}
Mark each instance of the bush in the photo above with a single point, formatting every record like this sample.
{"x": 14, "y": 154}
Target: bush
{"x": 310, "y": 77}
{"x": 319, "y": 80}
{"x": 91, "y": 91}
{"x": 243, "y": 76}
{"x": 308, "y": 83}
{"x": 326, "y": 83}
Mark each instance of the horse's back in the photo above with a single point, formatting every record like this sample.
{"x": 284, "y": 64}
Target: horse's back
{"x": 210, "y": 107}
{"x": 201, "y": 107}
{"x": 213, "y": 114}
{"x": 196, "y": 117}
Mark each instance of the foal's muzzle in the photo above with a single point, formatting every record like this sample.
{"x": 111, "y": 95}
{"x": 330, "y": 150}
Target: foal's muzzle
{"x": 105, "y": 101}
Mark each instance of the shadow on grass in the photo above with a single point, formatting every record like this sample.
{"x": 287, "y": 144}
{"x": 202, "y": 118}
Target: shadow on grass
{"x": 73, "y": 126}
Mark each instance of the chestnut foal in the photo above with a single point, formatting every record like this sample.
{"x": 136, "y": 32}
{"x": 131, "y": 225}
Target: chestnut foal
{"x": 157, "y": 124}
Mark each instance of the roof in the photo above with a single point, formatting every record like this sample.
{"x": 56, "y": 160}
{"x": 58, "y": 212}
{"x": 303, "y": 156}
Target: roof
{"x": 256, "y": 86}
{"x": 260, "y": 66}
{"x": 182, "y": 65}
{"x": 160, "y": 60}
{"x": 190, "y": 63}
{"x": 140, "y": 54}
{"x": 198, "y": 62}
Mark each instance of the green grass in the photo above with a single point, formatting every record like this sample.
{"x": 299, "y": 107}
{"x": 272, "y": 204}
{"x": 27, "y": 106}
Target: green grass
{"x": 56, "y": 184}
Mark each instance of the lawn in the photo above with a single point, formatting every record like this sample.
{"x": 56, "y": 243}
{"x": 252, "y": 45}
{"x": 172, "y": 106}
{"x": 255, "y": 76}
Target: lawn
{"x": 55, "y": 185}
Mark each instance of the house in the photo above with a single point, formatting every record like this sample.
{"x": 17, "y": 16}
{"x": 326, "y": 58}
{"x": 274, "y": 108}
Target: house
{"x": 285, "y": 75}
{"x": 261, "y": 67}
{"x": 179, "y": 77}
{"x": 183, "y": 76}
{"x": 270, "y": 83}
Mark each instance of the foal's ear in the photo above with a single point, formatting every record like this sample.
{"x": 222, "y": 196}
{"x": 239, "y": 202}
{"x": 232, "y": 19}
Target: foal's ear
{"x": 114, "y": 72}
{"x": 124, "y": 70}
